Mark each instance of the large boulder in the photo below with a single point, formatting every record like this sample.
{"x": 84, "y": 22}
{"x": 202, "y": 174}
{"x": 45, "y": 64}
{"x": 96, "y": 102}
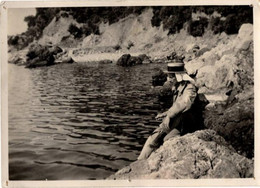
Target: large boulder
{"x": 123, "y": 60}
{"x": 145, "y": 59}
{"x": 158, "y": 78}
{"x": 199, "y": 155}
{"x": 235, "y": 123}
{"x": 127, "y": 60}
{"x": 133, "y": 60}
{"x": 40, "y": 55}
{"x": 18, "y": 57}
{"x": 244, "y": 38}
{"x": 229, "y": 65}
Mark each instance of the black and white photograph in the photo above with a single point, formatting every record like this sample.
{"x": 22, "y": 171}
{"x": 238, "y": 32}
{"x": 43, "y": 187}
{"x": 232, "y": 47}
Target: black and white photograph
{"x": 130, "y": 92}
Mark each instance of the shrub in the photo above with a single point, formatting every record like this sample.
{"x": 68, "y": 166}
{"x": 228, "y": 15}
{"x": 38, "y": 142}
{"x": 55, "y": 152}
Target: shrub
{"x": 172, "y": 17}
{"x": 197, "y": 28}
{"x": 130, "y": 45}
{"x": 75, "y": 31}
{"x": 64, "y": 15}
{"x": 216, "y": 25}
{"x": 232, "y": 24}
{"x": 13, "y": 40}
{"x": 117, "y": 47}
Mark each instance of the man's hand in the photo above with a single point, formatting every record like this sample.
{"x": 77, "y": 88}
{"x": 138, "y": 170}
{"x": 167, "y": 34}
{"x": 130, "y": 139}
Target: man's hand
{"x": 165, "y": 124}
{"x": 160, "y": 116}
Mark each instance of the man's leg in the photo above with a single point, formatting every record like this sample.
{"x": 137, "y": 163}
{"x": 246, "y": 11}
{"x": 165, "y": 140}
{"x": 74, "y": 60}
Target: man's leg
{"x": 152, "y": 143}
{"x": 156, "y": 139}
{"x": 173, "y": 133}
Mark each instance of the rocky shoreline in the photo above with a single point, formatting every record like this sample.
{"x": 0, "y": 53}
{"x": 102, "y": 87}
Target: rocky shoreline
{"x": 222, "y": 66}
{"x": 225, "y": 149}
{"x": 199, "y": 155}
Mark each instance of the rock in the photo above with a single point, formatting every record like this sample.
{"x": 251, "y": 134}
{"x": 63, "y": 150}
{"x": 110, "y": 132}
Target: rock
{"x": 37, "y": 63}
{"x": 18, "y": 57}
{"x": 39, "y": 56}
{"x": 134, "y": 61}
{"x": 17, "y": 60}
{"x": 164, "y": 94}
{"x": 244, "y": 38}
{"x": 158, "y": 78}
{"x": 199, "y": 155}
{"x": 216, "y": 77}
{"x": 106, "y": 61}
{"x": 67, "y": 59}
{"x": 145, "y": 59}
{"x": 228, "y": 62}
{"x": 128, "y": 60}
{"x": 172, "y": 56}
{"x": 202, "y": 51}
{"x": 235, "y": 123}
{"x": 123, "y": 60}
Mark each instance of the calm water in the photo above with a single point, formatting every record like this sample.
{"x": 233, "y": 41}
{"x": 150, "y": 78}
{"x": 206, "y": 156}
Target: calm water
{"x": 76, "y": 121}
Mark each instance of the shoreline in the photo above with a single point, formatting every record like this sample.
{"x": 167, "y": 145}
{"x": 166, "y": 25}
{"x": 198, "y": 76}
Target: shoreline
{"x": 112, "y": 56}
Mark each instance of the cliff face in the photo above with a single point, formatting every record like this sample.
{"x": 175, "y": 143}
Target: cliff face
{"x": 199, "y": 155}
{"x": 133, "y": 32}
{"x": 223, "y": 66}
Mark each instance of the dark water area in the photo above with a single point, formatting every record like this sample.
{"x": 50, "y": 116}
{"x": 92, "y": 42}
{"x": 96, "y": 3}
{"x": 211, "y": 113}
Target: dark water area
{"x": 78, "y": 121}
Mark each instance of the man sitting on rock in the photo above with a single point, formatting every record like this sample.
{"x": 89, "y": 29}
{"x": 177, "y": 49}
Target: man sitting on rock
{"x": 179, "y": 119}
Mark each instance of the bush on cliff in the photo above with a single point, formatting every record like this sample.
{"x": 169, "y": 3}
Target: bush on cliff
{"x": 75, "y": 31}
{"x": 173, "y": 19}
{"x": 197, "y": 28}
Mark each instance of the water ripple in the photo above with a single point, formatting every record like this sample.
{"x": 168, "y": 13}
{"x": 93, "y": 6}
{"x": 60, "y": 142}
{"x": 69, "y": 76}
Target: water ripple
{"x": 92, "y": 119}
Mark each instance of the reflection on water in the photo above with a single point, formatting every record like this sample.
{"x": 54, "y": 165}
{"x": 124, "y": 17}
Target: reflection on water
{"x": 77, "y": 121}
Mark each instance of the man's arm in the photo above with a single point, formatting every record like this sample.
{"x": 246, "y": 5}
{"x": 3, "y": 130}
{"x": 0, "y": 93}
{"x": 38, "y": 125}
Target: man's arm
{"x": 184, "y": 102}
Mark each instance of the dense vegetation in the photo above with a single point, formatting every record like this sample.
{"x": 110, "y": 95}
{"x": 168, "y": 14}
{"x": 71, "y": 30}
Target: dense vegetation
{"x": 173, "y": 18}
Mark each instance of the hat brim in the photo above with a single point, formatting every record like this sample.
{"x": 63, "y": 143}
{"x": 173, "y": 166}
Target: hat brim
{"x": 174, "y": 72}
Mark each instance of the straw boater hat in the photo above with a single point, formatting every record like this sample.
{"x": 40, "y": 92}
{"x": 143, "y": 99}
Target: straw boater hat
{"x": 175, "y": 66}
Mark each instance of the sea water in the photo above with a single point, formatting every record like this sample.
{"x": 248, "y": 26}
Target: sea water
{"x": 78, "y": 121}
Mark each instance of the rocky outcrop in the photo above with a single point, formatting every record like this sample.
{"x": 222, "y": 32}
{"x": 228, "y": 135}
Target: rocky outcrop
{"x": 235, "y": 123}
{"x": 199, "y": 155}
{"x": 225, "y": 75}
{"x": 105, "y": 61}
{"x": 227, "y": 66}
{"x": 158, "y": 78}
{"x": 39, "y": 56}
{"x": 127, "y": 60}
{"x": 18, "y": 57}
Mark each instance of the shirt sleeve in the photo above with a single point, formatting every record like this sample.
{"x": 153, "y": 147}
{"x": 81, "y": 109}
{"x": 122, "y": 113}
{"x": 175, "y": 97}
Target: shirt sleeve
{"x": 183, "y": 102}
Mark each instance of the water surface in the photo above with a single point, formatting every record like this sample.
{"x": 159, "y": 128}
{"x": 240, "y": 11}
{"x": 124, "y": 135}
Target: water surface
{"x": 78, "y": 121}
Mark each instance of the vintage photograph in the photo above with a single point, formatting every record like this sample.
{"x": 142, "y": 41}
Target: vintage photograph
{"x": 130, "y": 92}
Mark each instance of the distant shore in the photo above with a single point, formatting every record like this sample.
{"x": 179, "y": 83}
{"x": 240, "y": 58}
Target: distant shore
{"x": 95, "y": 57}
